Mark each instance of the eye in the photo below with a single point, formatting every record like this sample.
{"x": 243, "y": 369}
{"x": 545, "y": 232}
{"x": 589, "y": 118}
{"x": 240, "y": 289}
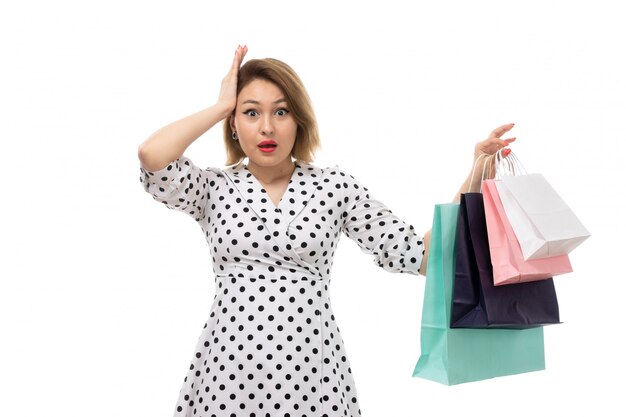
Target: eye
{"x": 282, "y": 112}
{"x": 251, "y": 113}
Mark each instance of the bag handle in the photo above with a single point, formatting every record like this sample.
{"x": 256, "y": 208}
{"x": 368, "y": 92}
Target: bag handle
{"x": 509, "y": 165}
{"x": 504, "y": 165}
{"x": 469, "y": 186}
{"x": 482, "y": 175}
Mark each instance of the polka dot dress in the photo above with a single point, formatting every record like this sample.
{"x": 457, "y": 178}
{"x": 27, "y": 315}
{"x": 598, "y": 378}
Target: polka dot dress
{"x": 271, "y": 345}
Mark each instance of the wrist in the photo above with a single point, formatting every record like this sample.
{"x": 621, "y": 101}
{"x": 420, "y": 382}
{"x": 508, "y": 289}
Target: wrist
{"x": 223, "y": 110}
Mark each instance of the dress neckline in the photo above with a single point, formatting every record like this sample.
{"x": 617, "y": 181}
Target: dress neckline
{"x": 288, "y": 190}
{"x": 301, "y": 187}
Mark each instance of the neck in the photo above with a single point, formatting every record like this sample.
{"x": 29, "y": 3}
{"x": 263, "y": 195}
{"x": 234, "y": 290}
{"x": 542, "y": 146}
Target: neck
{"x": 269, "y": 174}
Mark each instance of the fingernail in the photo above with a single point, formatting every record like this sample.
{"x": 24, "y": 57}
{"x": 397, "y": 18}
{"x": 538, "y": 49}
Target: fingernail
{"x": 506, "y": 151}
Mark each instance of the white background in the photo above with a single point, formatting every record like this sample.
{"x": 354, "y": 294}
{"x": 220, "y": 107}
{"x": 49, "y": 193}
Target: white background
{"x": 104, "y": 291}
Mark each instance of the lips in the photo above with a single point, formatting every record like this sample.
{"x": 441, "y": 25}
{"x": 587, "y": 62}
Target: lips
{"x": 267, "y": 146}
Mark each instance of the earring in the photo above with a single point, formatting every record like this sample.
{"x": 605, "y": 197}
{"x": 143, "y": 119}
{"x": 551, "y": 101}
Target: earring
{"x": 234, "y": 136}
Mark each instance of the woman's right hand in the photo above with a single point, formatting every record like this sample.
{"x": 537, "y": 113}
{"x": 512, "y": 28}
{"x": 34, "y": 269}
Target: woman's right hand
{"x": 170, "y": 142}
{"x": 228, "y": 93}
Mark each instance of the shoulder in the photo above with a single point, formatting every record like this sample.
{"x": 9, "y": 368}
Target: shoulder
{"x": 180, "y": 171}
{"x": 338, "y": 179}
{"x": 323, "y": 175}
{"x": 181, "y": 164}
{"x": 235, "y": 173}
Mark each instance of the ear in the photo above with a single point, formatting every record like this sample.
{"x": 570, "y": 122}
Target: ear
{"x": 231, "y": 121}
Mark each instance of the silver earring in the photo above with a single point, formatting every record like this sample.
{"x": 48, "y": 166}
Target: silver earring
{"x": 234, "y": 136}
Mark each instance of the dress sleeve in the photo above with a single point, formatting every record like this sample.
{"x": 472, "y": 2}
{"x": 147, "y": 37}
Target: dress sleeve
{"x": 181, "y": 186}
{"x": 395, "y": 245}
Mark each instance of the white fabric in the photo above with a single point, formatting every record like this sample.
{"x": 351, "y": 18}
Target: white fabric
{"x": 271, "y": 346}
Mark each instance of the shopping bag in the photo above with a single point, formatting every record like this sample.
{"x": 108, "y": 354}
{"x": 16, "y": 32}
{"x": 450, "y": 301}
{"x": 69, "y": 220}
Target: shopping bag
{"x": 507, "y": 260}
{"x": 543, "y": 223}
{"x": 477, "y": 302}
{"x": 455, "y": 356}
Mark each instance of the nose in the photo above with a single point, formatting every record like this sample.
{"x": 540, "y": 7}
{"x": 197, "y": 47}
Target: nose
{"x": 267, "y": 127}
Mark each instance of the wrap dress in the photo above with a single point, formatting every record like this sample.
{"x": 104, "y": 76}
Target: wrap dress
{"x": 271, "y": 345}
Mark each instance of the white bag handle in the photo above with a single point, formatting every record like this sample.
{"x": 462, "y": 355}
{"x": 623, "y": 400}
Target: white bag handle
{"x": 509, "y": 165}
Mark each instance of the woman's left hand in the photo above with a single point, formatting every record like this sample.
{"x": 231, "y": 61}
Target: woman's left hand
{"x": 494, "y": 141}
{"x": 490, "y": 146}
{"x": 482, "y": 150}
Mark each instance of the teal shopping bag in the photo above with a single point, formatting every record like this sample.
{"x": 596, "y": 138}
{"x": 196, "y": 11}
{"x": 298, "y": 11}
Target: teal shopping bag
{"x": 453, "y": 356}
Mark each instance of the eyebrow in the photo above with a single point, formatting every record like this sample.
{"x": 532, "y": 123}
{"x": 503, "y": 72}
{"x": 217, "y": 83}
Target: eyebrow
{"x": 280, "y": 100}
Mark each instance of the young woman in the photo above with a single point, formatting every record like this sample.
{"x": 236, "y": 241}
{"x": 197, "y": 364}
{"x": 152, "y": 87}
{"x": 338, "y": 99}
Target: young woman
{"x": 271, "y": 346}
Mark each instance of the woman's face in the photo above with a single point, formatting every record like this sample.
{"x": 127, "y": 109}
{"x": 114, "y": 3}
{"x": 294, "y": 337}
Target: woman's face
{"x": 264, "y": 125}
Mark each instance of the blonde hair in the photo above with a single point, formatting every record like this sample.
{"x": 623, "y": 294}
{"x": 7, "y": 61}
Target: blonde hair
{"x": 300, "y": 107}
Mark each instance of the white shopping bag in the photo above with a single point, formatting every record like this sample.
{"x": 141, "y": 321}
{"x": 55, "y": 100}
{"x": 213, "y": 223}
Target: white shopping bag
{"x": 543, "y": 224}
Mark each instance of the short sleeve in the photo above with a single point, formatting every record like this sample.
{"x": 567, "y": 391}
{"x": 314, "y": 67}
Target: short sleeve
{"x": 395, "y": 245}
{"x": 181, "y": 186}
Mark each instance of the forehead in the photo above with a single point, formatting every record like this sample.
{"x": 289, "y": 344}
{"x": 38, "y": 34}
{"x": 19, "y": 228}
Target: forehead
{"x": 260, "y": 90}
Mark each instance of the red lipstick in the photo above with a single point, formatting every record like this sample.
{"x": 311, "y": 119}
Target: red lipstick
{"x": 267, "y": 146}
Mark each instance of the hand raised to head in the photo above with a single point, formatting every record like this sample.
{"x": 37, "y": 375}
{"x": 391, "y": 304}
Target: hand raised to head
{"x": 228, "y": 91}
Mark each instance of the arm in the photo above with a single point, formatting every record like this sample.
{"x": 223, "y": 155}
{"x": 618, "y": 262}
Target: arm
{"x": 377, "y": 231}
{"x": 489, "y": 146}
{"x": 171, "y": 141}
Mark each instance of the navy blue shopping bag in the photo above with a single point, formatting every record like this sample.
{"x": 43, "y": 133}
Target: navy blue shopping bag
{"x": 477, "y": 302}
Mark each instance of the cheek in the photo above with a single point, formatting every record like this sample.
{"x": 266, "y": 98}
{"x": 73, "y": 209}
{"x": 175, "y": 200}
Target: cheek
{"x": 292, "y": 130}
{"x": 247, "y": 142}
{"x": 244, "y": 130}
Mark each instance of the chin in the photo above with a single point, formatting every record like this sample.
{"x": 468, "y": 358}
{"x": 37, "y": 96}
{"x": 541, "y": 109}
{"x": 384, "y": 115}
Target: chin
{"x": 269, "y": 161}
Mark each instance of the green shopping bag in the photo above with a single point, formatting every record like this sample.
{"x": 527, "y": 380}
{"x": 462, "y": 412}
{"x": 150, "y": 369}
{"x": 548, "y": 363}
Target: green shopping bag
{"x": 453, "y": 356}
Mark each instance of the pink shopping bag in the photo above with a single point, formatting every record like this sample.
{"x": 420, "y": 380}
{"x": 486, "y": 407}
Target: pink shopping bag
{"x": 509, "y": 266}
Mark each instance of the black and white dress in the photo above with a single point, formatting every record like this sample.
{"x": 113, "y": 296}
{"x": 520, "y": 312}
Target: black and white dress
{"x": 271, "y": 346}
